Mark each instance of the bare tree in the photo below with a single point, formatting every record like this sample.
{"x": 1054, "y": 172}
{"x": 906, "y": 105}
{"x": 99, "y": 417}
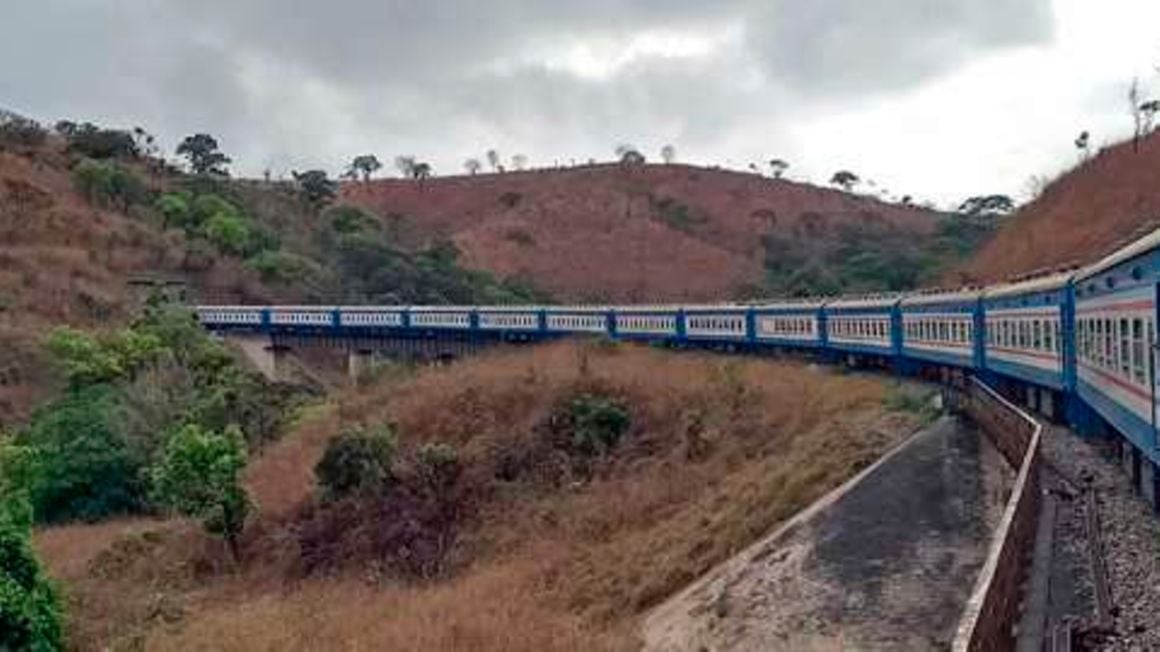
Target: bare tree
{"x": 406, "y": 166}
{"x": 1135, "y": 104}
{"x": 493, "y": 160}
{"x": 519, "y": 161}
{"x": 778, "y": 167}
{"x": 668, "y": 154}
{"x": 472, "y": 165}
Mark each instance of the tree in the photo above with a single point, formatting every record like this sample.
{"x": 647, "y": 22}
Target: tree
{"x": 845, "y": 179}
{"x": 472, "y": 165}
{"x": 364, "y": 165}
{"x": 316, "y": 187}
{"x": 778, "y": 167}
{"x": 197, "y": 476}
{"x": 30, "y": 610}
{"x": 519, "y": 161}
{"x": 493, "y": 160}
{"x": 228, "y": 232}
{"x": 201, "y": 150}
{"x": 987, "y": 205}
{"x": 421, "y": 171}
{"x": 1149, "y": 109}
{"x": 1082, "y": 143}
{"x": 406, "y": 166}
{"x": 668, "y": 154}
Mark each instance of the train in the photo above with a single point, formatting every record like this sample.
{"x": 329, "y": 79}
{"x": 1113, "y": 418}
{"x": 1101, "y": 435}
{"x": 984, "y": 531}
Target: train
{"x": 1077, "y": 345}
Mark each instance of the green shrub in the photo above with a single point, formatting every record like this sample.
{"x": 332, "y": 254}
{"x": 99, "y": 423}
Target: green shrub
{"x": 108, "y": 185}
{"x": 206, "y": 206}
{"x": 96, "y": 142}
{"x": 30, "y": 611}
{"x": 175, "y": 209}
{"x": 230, "y": 233}
{"x": 597, "y": 423}
{"x": 198, "y": 476}
{"x": 283, "y": 267}
{"x": 78, "y": 465}
{"x": 349, "y": 219}
{"x": 357, "y": 460}
{"x": 439, "y": 466}
{"x": 94, "y": 359}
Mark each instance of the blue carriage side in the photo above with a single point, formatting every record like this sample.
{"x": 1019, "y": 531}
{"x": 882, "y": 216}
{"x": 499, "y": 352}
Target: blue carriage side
{"x": 1115, "y": 338}
{"x": 943, "y": 328}
{"x": 1024, "y": 330}
{"x": 789, "y": 323}
{"x": 866, "y": 326}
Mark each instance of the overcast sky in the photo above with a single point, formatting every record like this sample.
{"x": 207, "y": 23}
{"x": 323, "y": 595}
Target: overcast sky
{"x": 935, "y": 98}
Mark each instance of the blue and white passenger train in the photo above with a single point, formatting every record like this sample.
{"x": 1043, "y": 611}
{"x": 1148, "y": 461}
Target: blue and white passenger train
{"x": 1078, "y": 345}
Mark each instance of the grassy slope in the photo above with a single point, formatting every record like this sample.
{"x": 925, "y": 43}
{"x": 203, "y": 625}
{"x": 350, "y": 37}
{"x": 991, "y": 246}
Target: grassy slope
{"x": 538, "y": 565}
{"x": 608, "y": 232}
{"x": 1080, "y": 216}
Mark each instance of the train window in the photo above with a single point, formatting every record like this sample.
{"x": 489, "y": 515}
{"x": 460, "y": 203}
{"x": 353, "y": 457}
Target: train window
{"x": 1137, "y": 273}
{"x": 1125, "y": 349}
{"x": 1139, "y": 361}
{"x": 1036, "y": 334}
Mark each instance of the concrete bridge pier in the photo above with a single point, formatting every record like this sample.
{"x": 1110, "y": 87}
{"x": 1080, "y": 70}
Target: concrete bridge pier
{"x": 267, "y": 356}
{"x": 358, "y": 361}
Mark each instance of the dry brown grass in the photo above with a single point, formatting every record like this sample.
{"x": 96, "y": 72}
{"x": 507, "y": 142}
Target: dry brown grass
{"x": 541, "y": 562}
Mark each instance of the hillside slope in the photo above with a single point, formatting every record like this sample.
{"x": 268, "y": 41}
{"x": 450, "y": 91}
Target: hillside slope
{"x": 64, "y": 261}
{"x": 632, "y": 233}
{"x": 1080, "y": 216}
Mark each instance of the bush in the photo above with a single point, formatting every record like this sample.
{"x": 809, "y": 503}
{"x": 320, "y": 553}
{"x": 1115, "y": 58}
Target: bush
{"x": 439, "y": 467}
{"x": 230, "y": 233}
{"x": 350, "y": 219}
{"x": 96, "y": 142}
{"x": 283, "y": 267}
{"x": 90, "y": 360}
{"x": 205, "y": 206}
{"x": 597, "y": 423}
{"x": 78, "y": 466}
{"x": 198, "y": 477}
{"x": 108, "y": 184}
{"x": 20, "y": 133}
{"x": 356, "y": 461}
{"x": 30, "y": 611}
{"x": 175, "y": 209}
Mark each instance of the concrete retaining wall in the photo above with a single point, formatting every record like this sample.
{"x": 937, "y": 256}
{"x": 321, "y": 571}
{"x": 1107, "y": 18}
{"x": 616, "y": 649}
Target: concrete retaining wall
{"x": 991, "y": 613}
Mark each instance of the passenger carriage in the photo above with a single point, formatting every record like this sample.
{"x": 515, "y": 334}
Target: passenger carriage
{"x": 1027, "y": 327}
{"x": 577, "y": 319}
{"x": 646, "y": 322}
{"x": 866, "y": 325}
{"x": 509, "y": 323}
{"x": 441, "y": 318}
{"x": 721, "y": 323}
{"x": 302, "y": 320}
{"x": 231, "y": 317}
{"x": 943, "y": 327}
{"x": 789, "y": 323}
{"x": 1115, "y": 337}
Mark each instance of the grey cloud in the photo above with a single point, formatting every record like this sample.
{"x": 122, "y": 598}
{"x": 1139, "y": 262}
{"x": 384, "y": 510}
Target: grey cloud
{"x": 286, "y": 85}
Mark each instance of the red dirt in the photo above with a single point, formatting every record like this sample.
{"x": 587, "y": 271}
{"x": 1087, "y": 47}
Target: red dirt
{"x": 1082, "y": 215}
{"x": 597, "y": 233}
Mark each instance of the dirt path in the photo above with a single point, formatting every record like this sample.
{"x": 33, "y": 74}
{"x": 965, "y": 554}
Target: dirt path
{"x": 886, "y": 564}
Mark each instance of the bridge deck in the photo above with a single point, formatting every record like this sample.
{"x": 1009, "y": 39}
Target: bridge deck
{"x": 886, "y": 565}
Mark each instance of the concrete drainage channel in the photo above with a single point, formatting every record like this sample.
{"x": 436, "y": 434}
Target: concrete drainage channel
{"x": 990, "y": 619}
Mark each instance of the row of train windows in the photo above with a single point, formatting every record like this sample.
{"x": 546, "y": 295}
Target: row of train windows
{"x": 1118, "y": 345}
{"x": 788, "y": 325}
{"x": 1038, "y": 334}
{"x": 719, "y": 324}
{"x": 646, "y": 323}
{"x": 312, "y": 317}
{"x": 860, "y": 329}
{"x": 960, "y": 331}
{"x": 357, "y": 318}
{"x": 439, "y": 319}
{"x": 230, "y": 317}
{"x": 577, "y": 321}
{"x": 509, "y": 320}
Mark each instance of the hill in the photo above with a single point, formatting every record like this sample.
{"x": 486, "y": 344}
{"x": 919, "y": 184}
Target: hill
{"x": 520, "y": 550}
{"x": 646, "y": 232}
{"x": 1079, "y": 216}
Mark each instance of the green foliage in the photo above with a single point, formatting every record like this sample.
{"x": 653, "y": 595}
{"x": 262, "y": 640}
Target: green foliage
{"x": 31, "y": 616}
{"x": 108, "y": 184}
{"x": 283, "y": 267}
{"x": 357, "y": 460}
{"x": 96, "y": 142}
{"x": 92, "y": 359}
{"x": 315, "y": 186}
{"x": 229, "y": 233}
{"x": 175, "y": 209}
{"x": 198, "y": 476}
{"x": 438, "y": 466}
{"x": 87, "y": 454}
{"x": 364, "y": 165}
{"x": 350, "y": 219}
{"x": 597, "y": 423}
{"x": 920, "y": 403}
{"x": 201, "y": 150}
{"x": 76, "y": 465}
